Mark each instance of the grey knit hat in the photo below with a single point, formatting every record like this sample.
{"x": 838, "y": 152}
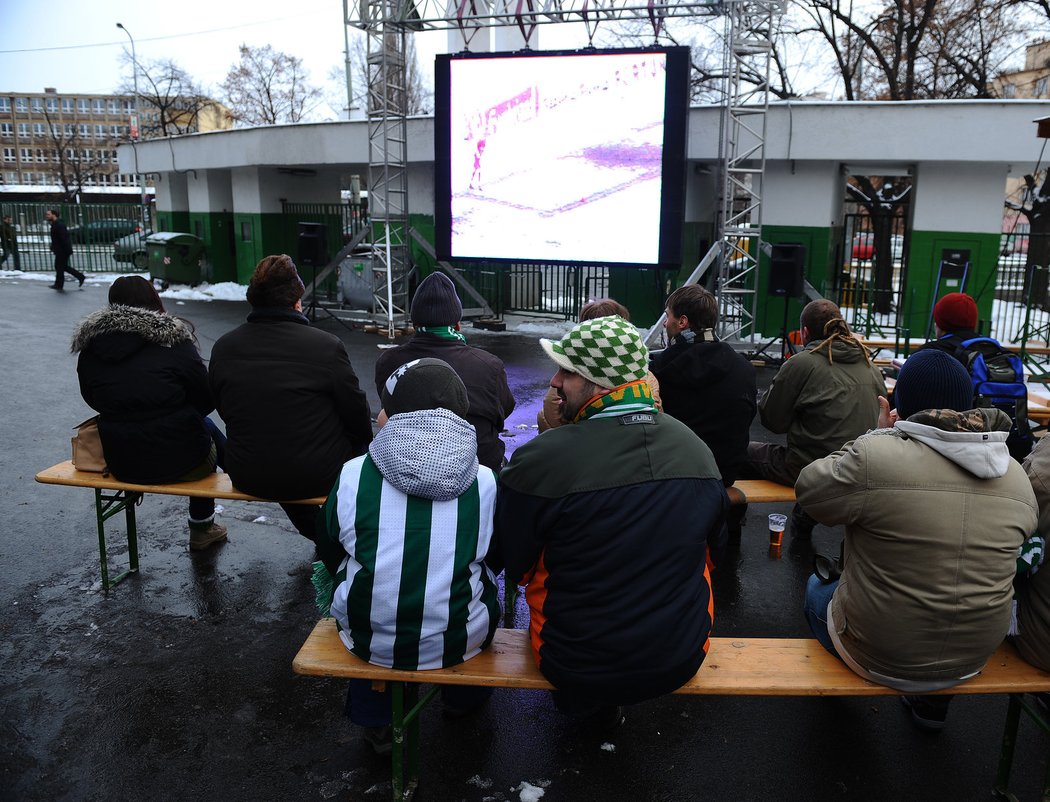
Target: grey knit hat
{"x": 436, "y": 303}
{"x": 606, "y": 350}
{"x": 932, "y": 379}
{"x": 424, "y": 384}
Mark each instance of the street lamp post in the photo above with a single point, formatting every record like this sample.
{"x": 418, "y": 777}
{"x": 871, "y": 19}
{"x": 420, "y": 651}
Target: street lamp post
{"x": 133, "y": 127}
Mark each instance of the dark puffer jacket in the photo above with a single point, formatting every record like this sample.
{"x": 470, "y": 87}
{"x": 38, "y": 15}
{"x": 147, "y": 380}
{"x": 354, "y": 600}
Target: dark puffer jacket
{"x": 711, "y": 389}
{"x": 608, "y": 521}
{"x": 141, "y": 371}
{"x": 293, "y": 408}
{"x": 482, "y": 373}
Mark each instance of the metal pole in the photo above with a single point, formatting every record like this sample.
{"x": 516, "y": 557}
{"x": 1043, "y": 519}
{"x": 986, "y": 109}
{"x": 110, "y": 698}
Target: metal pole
{"x": 134, "y": 127}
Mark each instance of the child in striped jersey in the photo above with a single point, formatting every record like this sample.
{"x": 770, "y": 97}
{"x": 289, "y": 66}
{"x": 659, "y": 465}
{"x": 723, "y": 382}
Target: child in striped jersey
{"x": 403, "y": 538}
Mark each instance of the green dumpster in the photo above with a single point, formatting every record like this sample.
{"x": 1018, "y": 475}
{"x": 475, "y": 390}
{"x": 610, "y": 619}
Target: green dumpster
{"x": 175, "y": 257}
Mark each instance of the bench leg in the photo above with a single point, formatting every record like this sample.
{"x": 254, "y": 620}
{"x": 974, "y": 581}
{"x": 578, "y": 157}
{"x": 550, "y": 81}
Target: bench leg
{"x": 106, "y": 506}
{"x": 1006, "y": 753}
{"x": 404, "y": 759}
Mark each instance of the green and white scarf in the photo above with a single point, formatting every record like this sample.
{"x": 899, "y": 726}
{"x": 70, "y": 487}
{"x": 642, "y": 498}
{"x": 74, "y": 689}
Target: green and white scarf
{"x": 444, "y": 332}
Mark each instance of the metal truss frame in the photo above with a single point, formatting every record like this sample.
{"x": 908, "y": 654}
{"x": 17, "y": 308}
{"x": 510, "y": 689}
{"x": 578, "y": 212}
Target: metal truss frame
{"x": 746, "y": 54}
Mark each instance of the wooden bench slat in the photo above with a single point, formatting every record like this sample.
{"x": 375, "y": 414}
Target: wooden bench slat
{"x": 760, "y": 491}
{"x": 215, "y": 485}
{"x": 733, "y": 667}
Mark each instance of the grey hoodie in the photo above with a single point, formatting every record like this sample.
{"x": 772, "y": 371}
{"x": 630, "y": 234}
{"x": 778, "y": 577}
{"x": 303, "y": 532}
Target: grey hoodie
{"x": 431, "y": 454}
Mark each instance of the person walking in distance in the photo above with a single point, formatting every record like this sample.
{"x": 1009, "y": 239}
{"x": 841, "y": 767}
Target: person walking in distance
{"x": 62, "y": 248}
{"x": 9, "y": 241}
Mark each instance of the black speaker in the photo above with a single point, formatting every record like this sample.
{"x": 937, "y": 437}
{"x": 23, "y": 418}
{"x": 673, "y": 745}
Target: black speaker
{"x": 313, "y": 245}
{"x": 787, "y": 264}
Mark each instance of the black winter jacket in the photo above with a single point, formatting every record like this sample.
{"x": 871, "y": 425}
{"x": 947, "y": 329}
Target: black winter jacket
{"x": 61, "y": 242}
{"x": 293, "y": 408}
{"x": 141, "y": 371}
{"x": 608, "y": 523}
{"x": 711, "y": 389}
{"x": 482, "y": 373}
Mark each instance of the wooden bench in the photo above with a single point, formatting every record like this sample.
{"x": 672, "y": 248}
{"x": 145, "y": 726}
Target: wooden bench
{"x": 759, "y": 491}
{"x": 113, "y": 496}
{"x": 733, "y": 667}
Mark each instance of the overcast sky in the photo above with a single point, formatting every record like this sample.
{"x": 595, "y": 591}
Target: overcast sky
{"x": 75, "y": 46}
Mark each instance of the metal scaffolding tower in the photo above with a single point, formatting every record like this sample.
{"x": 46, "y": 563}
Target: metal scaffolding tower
{"x": 746, "y": 55}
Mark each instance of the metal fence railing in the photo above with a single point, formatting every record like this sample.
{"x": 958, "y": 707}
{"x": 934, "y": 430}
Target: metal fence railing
{"x": 1022, "y": 291}
{"x": 556, "y": 290}
{"x": 93, "y": 228}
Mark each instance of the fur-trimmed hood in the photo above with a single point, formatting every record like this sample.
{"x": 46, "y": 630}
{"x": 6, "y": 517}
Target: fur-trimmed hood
{"x": 126, "y": 328}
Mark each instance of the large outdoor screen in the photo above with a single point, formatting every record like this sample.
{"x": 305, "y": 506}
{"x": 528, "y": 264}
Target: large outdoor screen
{"x": 561, "y": 156}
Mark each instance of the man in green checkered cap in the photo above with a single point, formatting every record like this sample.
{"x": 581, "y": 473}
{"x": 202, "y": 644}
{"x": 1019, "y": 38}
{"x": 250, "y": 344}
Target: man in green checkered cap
{"x": 608, "y": 523}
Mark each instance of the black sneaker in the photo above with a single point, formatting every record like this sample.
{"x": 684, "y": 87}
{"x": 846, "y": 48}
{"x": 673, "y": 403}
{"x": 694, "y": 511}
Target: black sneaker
{"x": 381, "y": 739}
{"x": 81, "y": 280}
{"x": 928, "y": 712}
{"x": 801, "y": 524}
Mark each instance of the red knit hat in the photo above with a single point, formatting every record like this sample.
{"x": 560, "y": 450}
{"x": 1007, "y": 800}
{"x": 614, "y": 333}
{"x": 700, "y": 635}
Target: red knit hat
{"x": 956, "y": 311}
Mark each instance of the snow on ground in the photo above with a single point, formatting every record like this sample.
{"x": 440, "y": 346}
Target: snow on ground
{"x": 530, "y": 792}
{"x": 224, "y": 291}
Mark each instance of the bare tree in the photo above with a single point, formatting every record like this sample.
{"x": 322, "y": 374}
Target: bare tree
{"x": 883, "y": 199}
{"x": 170, "y": 101}
{"x": 420, "y": 95}
{"x": 913, "y": 49}
{"x": 78, "y": 165}
{"x": 1035, "y": 206}
{"x": 268, "y": 87}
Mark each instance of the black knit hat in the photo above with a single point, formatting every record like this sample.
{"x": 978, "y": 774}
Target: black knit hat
{"x": 424, "y": 384}
{"x": 436, "y": 302}
{"x": 932, "y": 379}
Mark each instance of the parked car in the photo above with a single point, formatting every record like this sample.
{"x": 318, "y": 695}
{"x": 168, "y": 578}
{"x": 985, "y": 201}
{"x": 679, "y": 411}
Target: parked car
{"x": 107, "y": 230}
{"x": 132, "y": 248}
{"x": 863, "y": 246}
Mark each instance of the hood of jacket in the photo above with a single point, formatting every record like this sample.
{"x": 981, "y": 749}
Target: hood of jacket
{"x": 841, "y": 351}
{"x": 973, "y": 440}
{"x": 698, "y": 361}
{"x": 431, "y": 454}
{"x": 125, "y": 329}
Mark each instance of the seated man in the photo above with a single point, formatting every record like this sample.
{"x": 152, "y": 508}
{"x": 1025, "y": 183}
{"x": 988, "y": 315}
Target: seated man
{"x": 954, "y": 320}
{"x": 608, "y": 522}
{"x": 935, "y": 510}
{"x": 822, "y": 397}
{"x": 404, "y": 536}
{"x": 1032, "y": 635}
{"x": 436, "y": 312}
{"x": 293, "y": 409}
{"x": 704, "y": 383}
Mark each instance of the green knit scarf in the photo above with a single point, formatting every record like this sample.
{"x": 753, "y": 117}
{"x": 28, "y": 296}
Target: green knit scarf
{"x": 444, "y": 332}
{"x": 626, "y": 399}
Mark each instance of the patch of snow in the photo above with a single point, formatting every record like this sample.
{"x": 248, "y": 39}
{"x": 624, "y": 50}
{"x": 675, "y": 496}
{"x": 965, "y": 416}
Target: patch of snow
{"x": 260, "y": 520}
{"x": 479, "y": 782}
{"x": 223, "y": 291}
{"x": 530, "y": 792}
{"x": 608, "y": 747}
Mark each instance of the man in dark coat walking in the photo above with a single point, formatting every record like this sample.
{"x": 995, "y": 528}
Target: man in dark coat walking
{"x": 62, "y": 248}
{"x": 436, "y": 312}
{"x": 293, "y": 408}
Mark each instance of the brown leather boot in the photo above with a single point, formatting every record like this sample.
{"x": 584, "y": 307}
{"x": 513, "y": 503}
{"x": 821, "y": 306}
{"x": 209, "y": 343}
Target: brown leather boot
{"x": 206, "y": 534}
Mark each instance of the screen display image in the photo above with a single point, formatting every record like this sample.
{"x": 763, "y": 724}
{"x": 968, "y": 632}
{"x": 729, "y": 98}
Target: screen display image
{"x": 561, "y": 157}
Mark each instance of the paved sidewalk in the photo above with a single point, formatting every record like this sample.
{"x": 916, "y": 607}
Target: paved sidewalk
{"x": 177, "y": 685}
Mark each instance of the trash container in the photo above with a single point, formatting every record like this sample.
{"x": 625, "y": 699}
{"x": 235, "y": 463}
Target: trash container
{"x": 355, "y": 289}
{"x": 175, "y": 257}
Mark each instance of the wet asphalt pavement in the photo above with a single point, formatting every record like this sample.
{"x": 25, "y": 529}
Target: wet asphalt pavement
{"x": 177, "y": 684}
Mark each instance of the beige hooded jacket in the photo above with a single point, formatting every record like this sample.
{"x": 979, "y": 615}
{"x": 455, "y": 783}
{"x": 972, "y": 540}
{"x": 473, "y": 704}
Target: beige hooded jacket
{"x": 934, "y": 511}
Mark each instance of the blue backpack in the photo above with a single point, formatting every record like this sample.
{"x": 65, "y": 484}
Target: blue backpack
{"x": 998, "y": 381}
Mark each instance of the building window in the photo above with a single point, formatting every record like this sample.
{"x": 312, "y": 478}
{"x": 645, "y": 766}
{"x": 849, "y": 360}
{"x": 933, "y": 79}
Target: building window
{"x": 41, "y": 155}
{"x": 52, "y": 105}
{"x": 7, "y": 130}
{"x": 38, "y": 104}
{"x": 23, "y": 130}
{"x": 114, "y": 131}
{"x": 5, "y": 104}
{"x": 56, "y": 156}
{"x": 86, "y": 154}
{"x": 113, "y": 157}
{"x": 112, "y": 106}
{"x": 84, "y": 130}
{"x": 26, "y": 155}
{"x": 83, "y": 105}
{"x": 129, "y": 106}
{"x": 246, "y": 231}
{"x": 39, "y": 129}
{"x": 1041, "y": 86}
{"x": 1009, "y": 91}
{"x": 100, "y": 132}
{"x": 21, "y": 104}
{"x": 9, "y": 154}
{"x": 99, "y": 106}
{"x": 67, "y": 105}
{"x": 70, "y": 129}
{"x": 71, "y": 155}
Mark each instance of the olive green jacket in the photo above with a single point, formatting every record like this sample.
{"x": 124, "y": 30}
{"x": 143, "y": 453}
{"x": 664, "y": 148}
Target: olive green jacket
{"x": 822, "y": 404}
{"x": 1033, "y": 599}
